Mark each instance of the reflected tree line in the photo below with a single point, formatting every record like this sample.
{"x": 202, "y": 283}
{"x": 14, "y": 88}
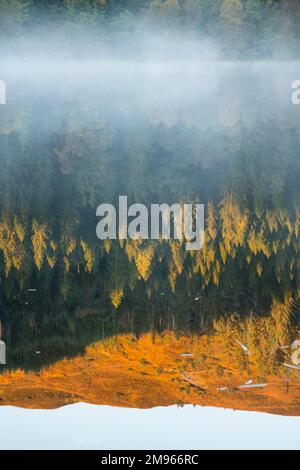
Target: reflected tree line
{"x": 62, "y": 288}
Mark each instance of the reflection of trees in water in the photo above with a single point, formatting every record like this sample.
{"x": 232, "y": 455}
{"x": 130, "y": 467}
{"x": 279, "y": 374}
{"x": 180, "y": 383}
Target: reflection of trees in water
{"x": 55, "y": 170}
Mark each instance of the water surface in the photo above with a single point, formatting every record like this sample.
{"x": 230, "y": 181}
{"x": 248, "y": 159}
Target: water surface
{"x": 84, "y": 426}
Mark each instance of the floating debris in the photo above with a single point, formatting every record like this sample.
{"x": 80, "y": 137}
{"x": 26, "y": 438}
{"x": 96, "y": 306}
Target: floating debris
{"x": 253, "y": 386}
{"x": 249, "y": 382}
{"x": 186, "y": 355}
{"x": 243, "y": 347}
{"x": 290, "y": 366}
{"x": 296, "y": 353}
{"x": 243, "y": 387}
{"x": 296, "y": 344}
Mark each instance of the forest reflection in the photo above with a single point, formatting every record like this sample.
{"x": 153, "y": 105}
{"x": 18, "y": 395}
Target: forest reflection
{"x": 223, "y": 134}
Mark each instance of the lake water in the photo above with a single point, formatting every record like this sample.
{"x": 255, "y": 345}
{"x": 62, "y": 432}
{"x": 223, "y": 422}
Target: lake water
{"x": 83, "y": 426}
{"x": 78, "y": 134}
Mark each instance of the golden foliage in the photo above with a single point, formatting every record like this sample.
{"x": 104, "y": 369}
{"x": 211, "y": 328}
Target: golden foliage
{"x": 143, "y": 262}
{"x": 234, "y": 223}
{"x": 116, "y": 297}
{"x": 88, "y": 255}
{"x": 38, "y": 240}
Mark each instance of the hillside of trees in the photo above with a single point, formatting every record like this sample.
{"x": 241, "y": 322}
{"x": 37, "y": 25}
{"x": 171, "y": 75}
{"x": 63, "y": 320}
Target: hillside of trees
{"x": 239, "y": 28}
